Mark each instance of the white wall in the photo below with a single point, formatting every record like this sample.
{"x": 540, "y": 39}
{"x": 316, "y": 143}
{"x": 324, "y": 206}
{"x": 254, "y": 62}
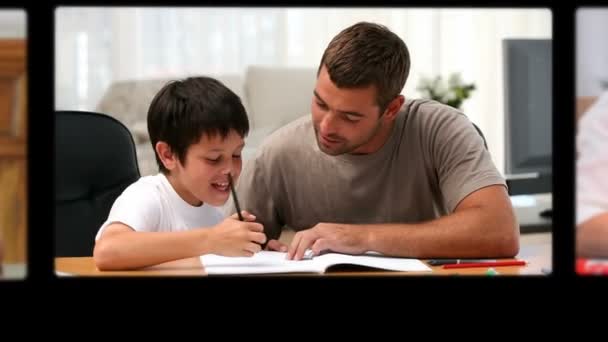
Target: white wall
{"x": 98, "y": 46}
{"x": 591, "y": 50}
{"x": 13, "y": 24}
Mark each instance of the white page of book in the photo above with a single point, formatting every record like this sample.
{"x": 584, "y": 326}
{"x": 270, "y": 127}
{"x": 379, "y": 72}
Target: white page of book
{"x": 276, "y": 262}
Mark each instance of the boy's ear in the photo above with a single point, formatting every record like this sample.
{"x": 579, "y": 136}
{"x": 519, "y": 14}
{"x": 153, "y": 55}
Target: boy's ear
{"x": 166, "y": 156}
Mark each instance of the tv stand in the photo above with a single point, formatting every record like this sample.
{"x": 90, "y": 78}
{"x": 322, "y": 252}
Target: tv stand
{"x": 547, "y": 213}
{"x": 534, "y": 212}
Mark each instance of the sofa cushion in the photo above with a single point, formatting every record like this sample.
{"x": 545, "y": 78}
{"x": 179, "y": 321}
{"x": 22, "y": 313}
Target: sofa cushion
{"x": 278, "y": 95}
{"x": 128, "y": 101}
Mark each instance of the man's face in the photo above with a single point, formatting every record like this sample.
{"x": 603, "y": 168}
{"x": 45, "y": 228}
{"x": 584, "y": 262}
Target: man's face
{"x": 345, "y": 120}
{"x": 204, "y": 175}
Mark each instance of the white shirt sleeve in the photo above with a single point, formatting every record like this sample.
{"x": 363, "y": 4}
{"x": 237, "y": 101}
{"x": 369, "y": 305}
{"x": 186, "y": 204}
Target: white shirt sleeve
{"x": 592, "y": 162}
{"x": 138, "y": 207}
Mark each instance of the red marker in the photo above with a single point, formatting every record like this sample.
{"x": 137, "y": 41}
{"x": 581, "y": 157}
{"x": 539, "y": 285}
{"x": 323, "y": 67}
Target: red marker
{"x": 488, "y": 264}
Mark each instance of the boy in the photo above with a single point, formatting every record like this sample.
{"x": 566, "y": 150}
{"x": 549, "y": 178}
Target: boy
{"x": 196, "y": 128}
{"x": 591, "y": 181}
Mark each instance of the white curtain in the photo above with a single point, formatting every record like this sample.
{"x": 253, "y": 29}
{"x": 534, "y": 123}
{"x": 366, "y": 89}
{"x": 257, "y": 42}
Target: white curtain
{"x": 591, "y": 51}
{"x": 96, "y": 46}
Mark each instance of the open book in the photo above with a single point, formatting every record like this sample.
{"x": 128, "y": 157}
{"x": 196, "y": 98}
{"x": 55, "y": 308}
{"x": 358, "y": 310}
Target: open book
{"x": 276, "y": 262}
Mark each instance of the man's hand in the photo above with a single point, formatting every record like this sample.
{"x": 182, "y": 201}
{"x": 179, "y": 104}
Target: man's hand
{"x": 329, "y": 236}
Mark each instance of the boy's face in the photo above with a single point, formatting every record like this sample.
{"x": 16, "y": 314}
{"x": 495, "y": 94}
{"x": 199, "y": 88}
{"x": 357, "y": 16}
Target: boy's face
{"x": 204, "y": 175}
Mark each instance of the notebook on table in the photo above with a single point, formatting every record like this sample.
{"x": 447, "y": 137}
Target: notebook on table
{"x": 268, "y": 262}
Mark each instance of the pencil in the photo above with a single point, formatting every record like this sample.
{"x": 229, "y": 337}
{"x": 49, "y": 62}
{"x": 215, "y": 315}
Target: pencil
{"x": 236, "y": 201}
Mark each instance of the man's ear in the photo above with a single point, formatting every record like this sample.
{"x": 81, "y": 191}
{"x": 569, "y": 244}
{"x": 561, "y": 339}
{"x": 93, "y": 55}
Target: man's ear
{"x": 393, "y": 108}
{"x": 166, "y": 155}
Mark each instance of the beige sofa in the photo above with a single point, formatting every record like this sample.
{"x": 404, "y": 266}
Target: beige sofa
{"x": 272, "y": 97}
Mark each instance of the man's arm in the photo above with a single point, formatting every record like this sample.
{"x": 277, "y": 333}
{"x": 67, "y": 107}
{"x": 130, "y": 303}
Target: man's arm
{"x": 592, "y": 237}
{"x": 483, "y": 225}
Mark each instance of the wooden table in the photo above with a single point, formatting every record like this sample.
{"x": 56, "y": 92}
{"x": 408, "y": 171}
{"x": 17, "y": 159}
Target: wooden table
{"x": 535, "y": 249}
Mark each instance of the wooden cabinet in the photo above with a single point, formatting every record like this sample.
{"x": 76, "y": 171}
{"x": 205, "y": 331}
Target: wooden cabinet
{"x": 582, "y": 105}
{"x": 13, "y": 150}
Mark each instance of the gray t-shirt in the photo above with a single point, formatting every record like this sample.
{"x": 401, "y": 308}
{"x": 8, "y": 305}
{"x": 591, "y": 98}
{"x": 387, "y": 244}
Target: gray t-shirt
{"x": 433, "y": 158}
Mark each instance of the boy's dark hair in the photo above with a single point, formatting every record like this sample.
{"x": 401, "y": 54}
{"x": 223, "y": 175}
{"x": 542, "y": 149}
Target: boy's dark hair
{"x": 365, "y": 54}
{"x": 183, "y": 110}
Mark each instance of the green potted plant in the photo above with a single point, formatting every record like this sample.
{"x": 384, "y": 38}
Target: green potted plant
{"x": 454, "y": 93}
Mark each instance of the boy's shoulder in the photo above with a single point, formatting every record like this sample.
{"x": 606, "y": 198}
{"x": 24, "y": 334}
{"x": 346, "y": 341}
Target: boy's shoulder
{"x": 147, "y": 187}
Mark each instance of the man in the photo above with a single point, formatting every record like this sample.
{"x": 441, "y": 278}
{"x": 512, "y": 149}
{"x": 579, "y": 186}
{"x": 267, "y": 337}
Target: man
{"x": 592, "y": 182}
{"x": 369, "y": 171}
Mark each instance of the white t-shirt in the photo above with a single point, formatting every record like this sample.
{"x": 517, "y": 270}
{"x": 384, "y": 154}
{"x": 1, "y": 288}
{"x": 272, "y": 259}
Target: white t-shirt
{"x": 152, "y": 205}
{"x": 592, "y": 163}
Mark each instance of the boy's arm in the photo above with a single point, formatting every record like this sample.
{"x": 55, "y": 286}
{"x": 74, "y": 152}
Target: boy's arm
{"x": 120, "y": 247}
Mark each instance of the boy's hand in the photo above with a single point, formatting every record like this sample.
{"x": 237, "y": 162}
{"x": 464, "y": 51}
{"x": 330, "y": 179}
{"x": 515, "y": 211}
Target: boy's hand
{"x": 237, "y": 238}
{"x": 247, "y": 216}
{"x": 276, "y": 245}
{"x": 272, "y": 245}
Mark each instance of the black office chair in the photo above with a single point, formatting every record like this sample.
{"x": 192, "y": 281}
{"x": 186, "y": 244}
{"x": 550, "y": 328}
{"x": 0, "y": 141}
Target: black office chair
{"x": 485, "y": 144}
{"x": 95, "y": 160}
{"x": 508, "y": 181}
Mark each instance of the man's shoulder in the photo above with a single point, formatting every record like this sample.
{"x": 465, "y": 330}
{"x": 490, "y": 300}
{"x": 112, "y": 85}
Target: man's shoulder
{"x": 428, "y": 110}
{"x": 432, "y": 115}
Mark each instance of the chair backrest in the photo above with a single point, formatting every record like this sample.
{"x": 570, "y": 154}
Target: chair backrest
{"x": 485, "y": 143}
{"x": 95, "y": 160}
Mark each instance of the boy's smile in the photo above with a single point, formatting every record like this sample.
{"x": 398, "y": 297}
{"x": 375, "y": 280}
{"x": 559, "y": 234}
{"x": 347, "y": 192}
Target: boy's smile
{"x": 203, "y": 177}
{"x": 221, "y": 186}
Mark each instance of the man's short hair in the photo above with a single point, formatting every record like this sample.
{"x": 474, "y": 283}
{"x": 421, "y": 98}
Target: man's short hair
{"x": 368, "y": 54}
